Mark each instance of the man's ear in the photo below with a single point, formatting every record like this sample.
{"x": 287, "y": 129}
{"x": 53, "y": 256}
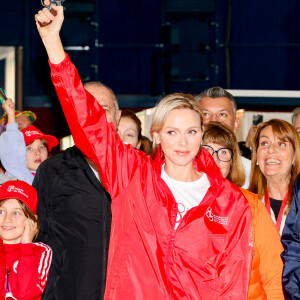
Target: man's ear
{"x": 236, "y": 124}
{"x": 118, "y": 116}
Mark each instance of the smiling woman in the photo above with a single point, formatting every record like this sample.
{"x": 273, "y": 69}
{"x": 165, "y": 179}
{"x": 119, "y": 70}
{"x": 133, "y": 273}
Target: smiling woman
{"x": 275, "y": 166}
{"x": 179, "y": 230}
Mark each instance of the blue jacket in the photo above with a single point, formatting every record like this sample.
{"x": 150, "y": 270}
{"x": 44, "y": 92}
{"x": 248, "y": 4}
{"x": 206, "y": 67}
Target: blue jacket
{"x": 13, "y": 154}
{"x": 291, "y": 243}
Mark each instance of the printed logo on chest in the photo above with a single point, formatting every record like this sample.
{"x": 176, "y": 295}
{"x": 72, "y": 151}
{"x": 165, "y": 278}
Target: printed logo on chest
{"x": 214, "y": 218}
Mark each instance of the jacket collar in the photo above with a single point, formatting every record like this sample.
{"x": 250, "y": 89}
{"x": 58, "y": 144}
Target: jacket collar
{"x": 203, "y": 162}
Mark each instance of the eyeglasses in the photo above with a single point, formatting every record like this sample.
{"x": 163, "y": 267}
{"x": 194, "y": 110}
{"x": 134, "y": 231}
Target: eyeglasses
{"x": 223, "y": 154}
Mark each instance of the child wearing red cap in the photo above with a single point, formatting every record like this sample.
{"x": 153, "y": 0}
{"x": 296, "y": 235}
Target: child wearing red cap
{"x": 21, "y": 152}
{"x": 24, "y": 266}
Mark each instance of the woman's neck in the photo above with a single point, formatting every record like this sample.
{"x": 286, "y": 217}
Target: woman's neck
{"x": 182, "y": 173}
{"x": 277, "y": 190}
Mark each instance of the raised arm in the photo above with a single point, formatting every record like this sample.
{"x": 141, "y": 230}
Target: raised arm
{"x": 12, "y": 147}
{"x": 49, "y": 27}
{"x": 96, "y": 138}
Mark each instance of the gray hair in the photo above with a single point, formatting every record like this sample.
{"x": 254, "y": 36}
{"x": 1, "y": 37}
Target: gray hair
{"x": 296, "y": 113}
{"x": 217, "y": 92}
{"x": 100, "y": 84}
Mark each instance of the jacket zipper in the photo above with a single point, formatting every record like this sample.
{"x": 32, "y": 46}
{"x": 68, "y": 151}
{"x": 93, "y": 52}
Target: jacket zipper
{"x": 170, "y": 248}
{"x": 7, "y": 277}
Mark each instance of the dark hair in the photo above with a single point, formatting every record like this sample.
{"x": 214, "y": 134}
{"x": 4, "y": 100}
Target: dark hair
{"x": 28, "y": 214}
{"x": 146, "y": 145}
{"x": 217, "y": 92}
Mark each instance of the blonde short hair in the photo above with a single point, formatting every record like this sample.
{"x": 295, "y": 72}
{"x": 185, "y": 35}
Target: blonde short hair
{"x": 168, "y": 103}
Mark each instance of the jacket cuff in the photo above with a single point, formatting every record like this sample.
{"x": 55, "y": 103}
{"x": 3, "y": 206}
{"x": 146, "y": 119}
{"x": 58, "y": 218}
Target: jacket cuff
{"x": 61, "y": 65}
{"x": 12, "y": 126}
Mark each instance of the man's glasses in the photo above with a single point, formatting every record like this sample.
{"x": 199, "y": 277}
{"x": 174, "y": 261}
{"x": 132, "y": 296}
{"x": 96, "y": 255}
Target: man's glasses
{"x": 223, "y": 154}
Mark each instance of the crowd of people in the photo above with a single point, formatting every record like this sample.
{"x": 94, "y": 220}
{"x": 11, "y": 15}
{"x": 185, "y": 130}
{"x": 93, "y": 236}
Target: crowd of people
{"x": 118, "y": 216}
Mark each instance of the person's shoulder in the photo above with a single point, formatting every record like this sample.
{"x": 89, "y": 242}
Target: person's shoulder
{"x": 249, "y": 195}
{"x": 41, "y": 247}
{"x": 233, "y": 192}
{"x": 251, "y": 198}
{"x": 228, "y": 185}
{"x": 62, "y": 160}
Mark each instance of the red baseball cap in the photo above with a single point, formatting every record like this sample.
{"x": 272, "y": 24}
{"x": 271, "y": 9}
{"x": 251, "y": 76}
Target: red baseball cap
{"x": 21, "y": 190}
{"x": 31, "y": 133}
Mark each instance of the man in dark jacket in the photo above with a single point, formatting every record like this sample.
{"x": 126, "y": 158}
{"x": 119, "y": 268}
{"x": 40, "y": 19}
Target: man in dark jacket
{"x": 75, "y": 215}
{"x": 291, "y": 242}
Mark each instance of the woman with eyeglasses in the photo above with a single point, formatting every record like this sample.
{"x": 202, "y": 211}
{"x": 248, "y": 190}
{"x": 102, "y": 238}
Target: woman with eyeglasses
{"x": 266, "y": 270}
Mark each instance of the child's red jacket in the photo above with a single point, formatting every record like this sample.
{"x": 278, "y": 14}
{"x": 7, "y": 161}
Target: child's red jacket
{"x": 24, "y": 270}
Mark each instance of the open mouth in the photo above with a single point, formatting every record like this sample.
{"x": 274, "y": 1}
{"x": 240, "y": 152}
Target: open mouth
{"x": 8, "y": 227}
{"x": 273, "y": 161}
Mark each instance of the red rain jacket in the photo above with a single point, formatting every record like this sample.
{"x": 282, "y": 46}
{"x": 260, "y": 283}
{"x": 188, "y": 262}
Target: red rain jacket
{"x": 207, "y": 257}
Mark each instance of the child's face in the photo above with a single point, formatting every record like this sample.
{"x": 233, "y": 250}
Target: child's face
{"x": 36, "y": 153}
{"x": 12, "y": 221}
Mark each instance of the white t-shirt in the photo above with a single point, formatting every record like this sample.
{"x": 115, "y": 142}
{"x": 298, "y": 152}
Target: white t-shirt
{"x": 93, "y": 167}
{"x": 186, "y": 194}
{"x": 247, "y": 170}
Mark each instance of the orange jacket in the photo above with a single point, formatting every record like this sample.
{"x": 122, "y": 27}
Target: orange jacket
{"x": 266, "y": 271}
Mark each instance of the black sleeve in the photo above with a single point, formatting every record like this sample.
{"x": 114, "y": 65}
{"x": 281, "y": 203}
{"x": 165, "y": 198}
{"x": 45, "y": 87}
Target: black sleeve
{"x": 39, "y": 183}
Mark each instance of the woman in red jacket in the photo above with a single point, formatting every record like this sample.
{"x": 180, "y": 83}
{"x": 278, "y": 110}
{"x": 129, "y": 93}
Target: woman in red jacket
{"x": 179, "y": 230}
{"x": 24, "y": 266}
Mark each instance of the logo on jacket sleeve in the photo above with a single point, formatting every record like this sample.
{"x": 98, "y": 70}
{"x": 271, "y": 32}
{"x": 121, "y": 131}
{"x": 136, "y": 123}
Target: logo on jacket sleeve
{"x": 214, "y": 218}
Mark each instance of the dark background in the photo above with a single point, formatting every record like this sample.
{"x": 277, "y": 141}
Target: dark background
{"x": 145, "y": 49}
